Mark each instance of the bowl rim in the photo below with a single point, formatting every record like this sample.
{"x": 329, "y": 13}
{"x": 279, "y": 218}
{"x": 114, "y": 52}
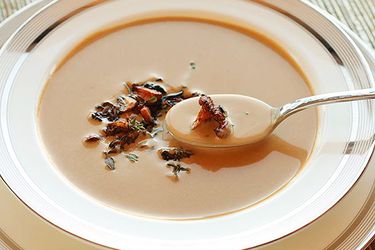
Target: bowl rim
{"x": 78, "y": 236}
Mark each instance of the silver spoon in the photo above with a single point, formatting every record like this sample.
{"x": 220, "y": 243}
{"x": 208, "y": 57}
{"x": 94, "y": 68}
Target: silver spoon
{"x": 253, "y": 119}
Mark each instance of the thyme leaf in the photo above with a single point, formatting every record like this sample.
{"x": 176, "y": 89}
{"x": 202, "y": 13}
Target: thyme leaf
{"x": 146, "y": 144}
{"x": 193, "y": 65}
{"x": 132, "y": 157}
{"x": 152, "y": 100}
{"x": 127, "y": 87}
{"x": 110, "y": 162}
{"x": 136, "y": 125}
{"x": 155, "y": 132}
{"x": 177, "y": 168}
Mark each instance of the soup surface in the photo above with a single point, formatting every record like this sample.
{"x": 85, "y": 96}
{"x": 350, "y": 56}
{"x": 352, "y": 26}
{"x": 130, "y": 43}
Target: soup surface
{"x": 207, "y": 57}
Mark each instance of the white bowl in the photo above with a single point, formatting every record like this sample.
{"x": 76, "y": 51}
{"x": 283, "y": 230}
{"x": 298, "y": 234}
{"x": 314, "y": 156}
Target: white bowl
{"x": 330, "y": 59}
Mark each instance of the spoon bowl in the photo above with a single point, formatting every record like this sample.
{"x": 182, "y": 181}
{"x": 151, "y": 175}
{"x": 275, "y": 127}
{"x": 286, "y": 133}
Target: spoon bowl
{"x": 251, "y": 121}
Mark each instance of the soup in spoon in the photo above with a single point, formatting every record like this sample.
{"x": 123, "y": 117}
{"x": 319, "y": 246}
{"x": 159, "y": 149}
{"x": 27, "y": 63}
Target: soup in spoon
{"x": 206, "y": 57}
{"x": 249, "y": 121}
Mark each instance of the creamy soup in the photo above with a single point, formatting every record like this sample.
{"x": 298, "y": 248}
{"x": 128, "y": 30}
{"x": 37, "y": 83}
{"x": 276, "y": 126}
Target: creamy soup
{"x": 209, "y": 57}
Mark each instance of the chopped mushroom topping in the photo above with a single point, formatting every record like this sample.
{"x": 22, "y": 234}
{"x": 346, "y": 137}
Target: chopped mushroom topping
{"x": 126, "y": 103}
{"x": 92, "y": 138}
{"x": 132, "y": 118}
{"x": 106, "y": 111}
{"x": 115, "y": 128}
{"x": 145, "y": 93}
{"x": 211, "y": 112}
{"x": 175, "y": 154}
{"x": 146, "y": 114}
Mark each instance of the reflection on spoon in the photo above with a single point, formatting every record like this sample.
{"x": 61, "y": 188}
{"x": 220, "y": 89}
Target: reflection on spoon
{"x": 252, "y": 119}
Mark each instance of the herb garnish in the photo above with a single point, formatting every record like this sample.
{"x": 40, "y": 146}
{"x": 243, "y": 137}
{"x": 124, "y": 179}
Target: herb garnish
{"x": 146, "y": 144}
{"x": 155, "y": 132}
{"x": 132, "y": 157}
{"x": 110, "y": 162}
{"x": 136, "y": 125}
{"x": 193, "y": 65}
{"x": 152, "y": 100}
{"x": 177, "y": 168}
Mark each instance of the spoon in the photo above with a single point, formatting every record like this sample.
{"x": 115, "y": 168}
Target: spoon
{"x": 252, "y": 119}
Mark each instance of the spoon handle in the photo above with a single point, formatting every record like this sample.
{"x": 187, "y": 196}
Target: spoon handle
{"x": 346, "y": 96}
